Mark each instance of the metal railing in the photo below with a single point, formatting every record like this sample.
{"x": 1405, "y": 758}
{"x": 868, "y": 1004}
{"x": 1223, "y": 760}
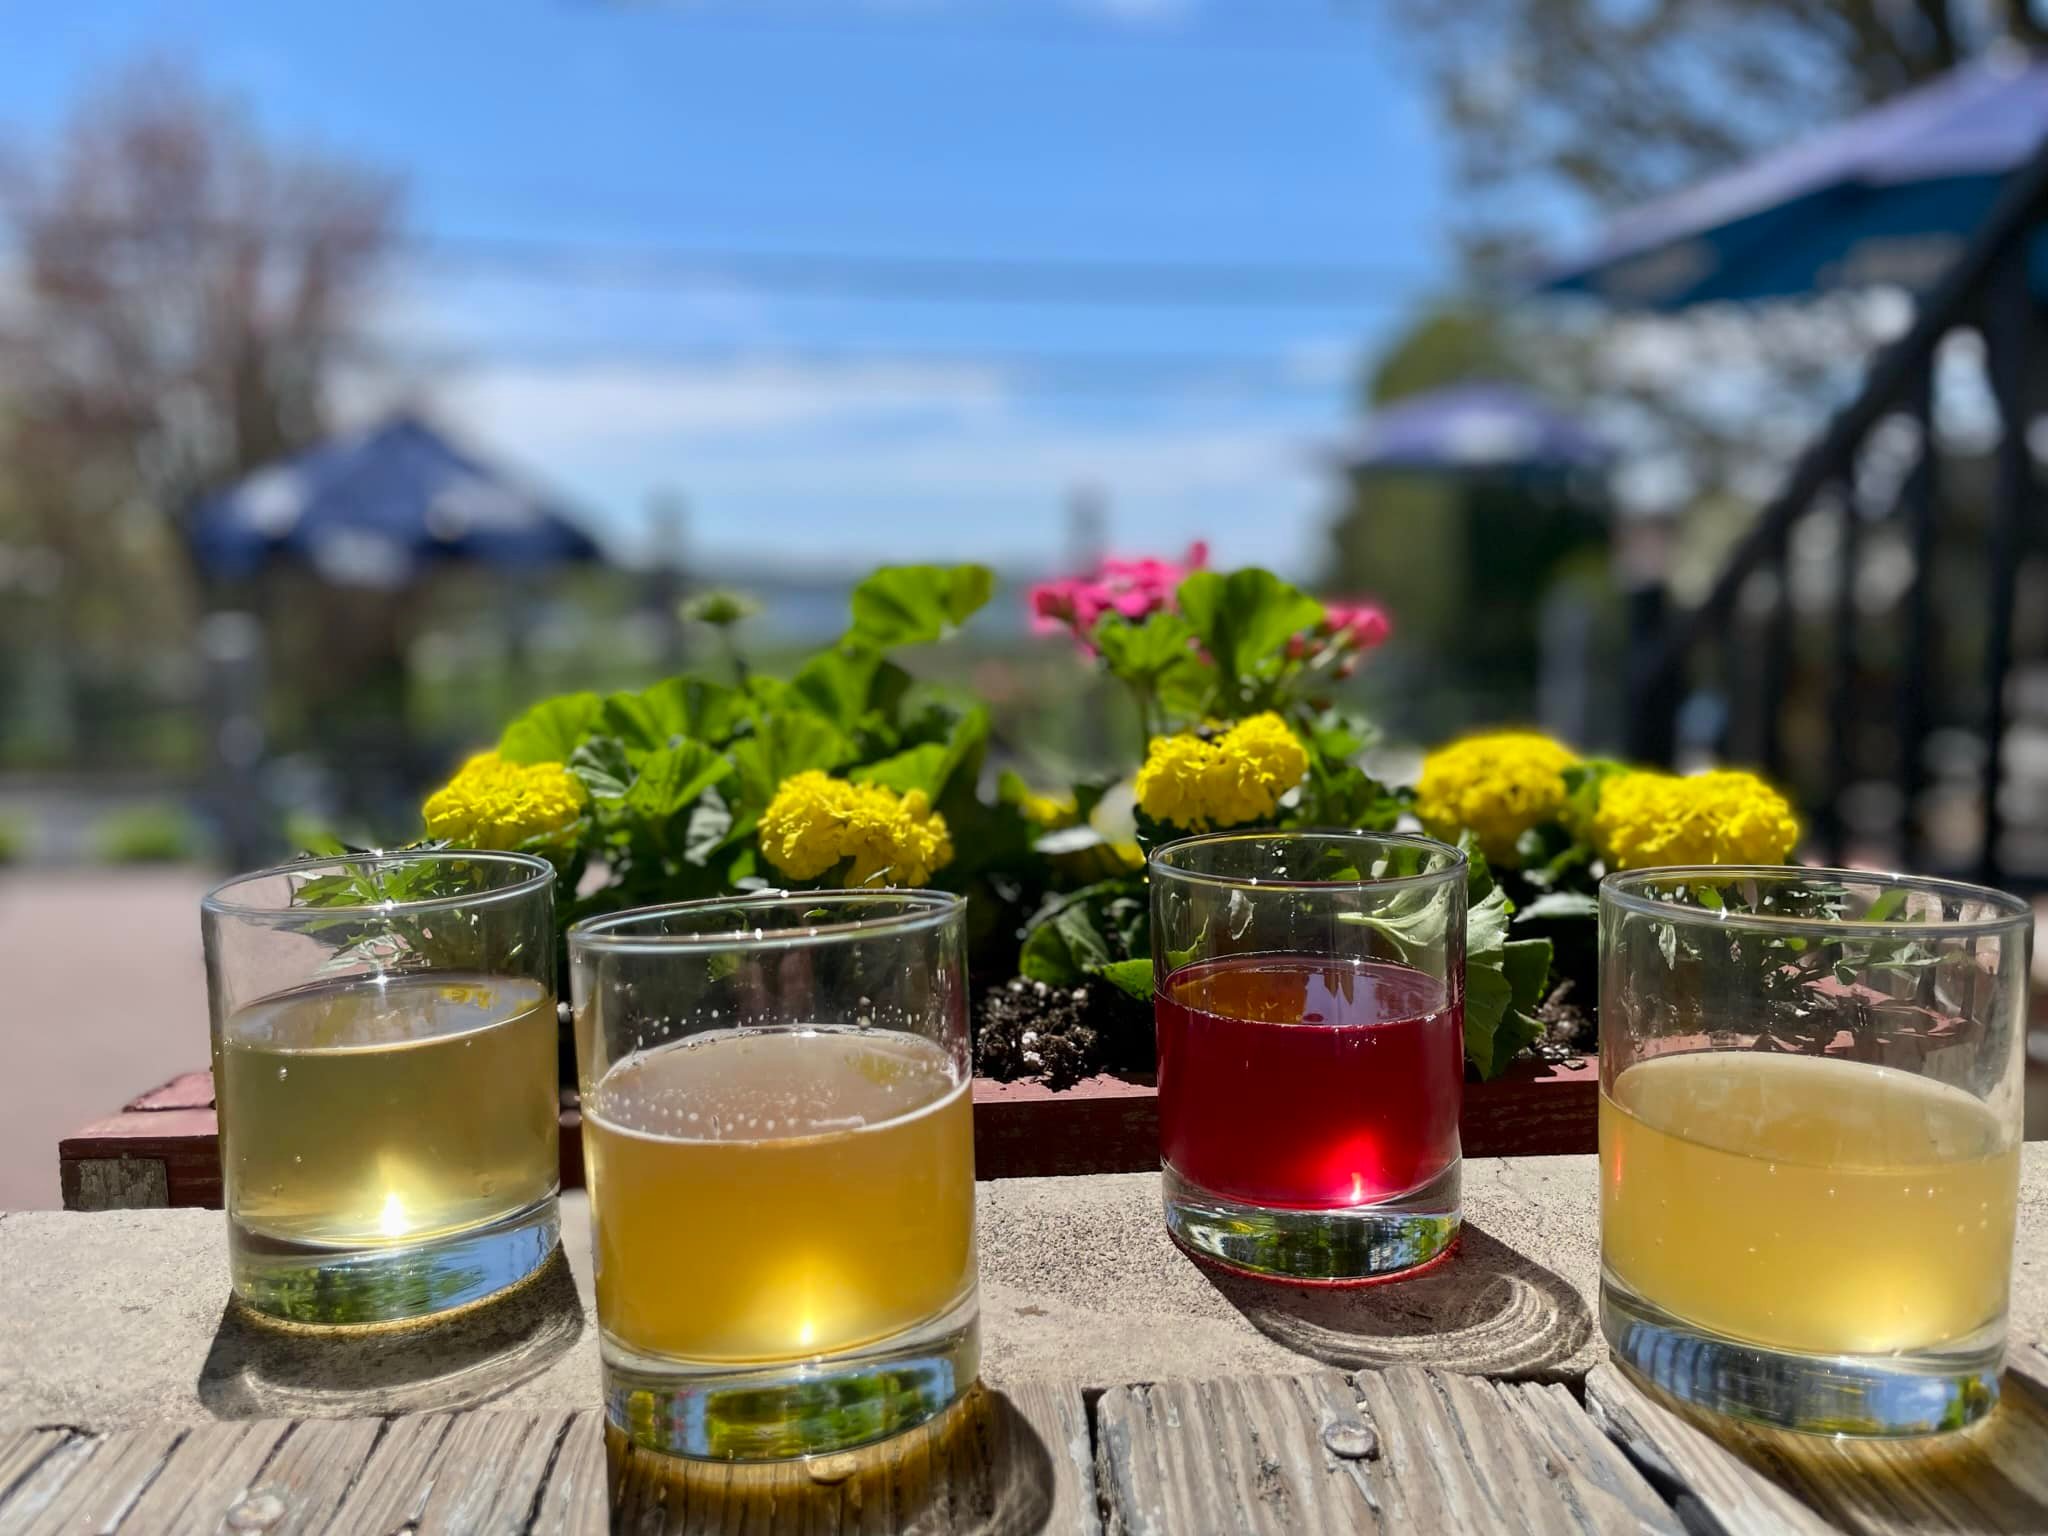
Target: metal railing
{"x": 1987, "y": 290}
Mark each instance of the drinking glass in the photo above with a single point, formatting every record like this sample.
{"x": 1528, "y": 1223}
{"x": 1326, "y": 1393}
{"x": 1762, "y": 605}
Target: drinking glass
{"x": 778, "y": 1134}
{"x": 1309, "y": 989}
{"x": 1810, "y": 1109}
{"x": 384, "y": 1065}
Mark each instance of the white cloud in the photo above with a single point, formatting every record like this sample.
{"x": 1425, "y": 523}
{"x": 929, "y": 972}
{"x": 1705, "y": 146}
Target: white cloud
{"x": 574, "y": 408}
{"x": 855, "y": 462}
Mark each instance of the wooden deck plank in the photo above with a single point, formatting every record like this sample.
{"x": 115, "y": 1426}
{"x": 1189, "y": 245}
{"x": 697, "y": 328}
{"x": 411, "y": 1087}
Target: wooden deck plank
{"x": 34, "y": 1466}
{"x": 390, "y": 1491}
{"x": 211, "y": 1471}
{"x": 1593, "y": 1466}
{"x": 1990, "y": 1478}
{"x": 1407, "y": 1449}
{"x": 305, "y": 1480}
{"x": 96, "y": 1497}
{"x": 489, "y": 1473}
{"x": 576, "y": 1500}
{"x": 1709, "y": 1484}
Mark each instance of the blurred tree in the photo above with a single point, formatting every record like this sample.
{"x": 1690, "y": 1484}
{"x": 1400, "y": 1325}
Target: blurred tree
{"x": 1467, "y": 560}
{"x": 1609, "y": 103}
{"x": 187, "y": 293}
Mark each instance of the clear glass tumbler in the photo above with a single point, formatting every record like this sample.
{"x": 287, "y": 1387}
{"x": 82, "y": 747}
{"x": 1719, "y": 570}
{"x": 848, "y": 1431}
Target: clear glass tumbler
{"x": 778, "y": 1132}
{"x": 384, "y": 1065}
{"x": 1810, "y": 1122}
{"x": 1309, "y": 990}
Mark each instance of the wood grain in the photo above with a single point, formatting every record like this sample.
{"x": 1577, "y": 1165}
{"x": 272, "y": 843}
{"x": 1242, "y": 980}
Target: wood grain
{"x": 1992, "y": 1477}
{"x": 1398, "y": 1450}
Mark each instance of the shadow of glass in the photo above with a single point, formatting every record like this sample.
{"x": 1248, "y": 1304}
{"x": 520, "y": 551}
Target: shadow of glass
{"x": 978, "y": 1467}
{"x": 1484, "y": 1309}
{"x": 258, "y": 1368}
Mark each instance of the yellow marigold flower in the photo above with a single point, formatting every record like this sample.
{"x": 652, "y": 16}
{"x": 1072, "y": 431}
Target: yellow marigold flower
{"x": 816, "y": 822}
{"x": 1497, "y": 786}
{"x": 1048, "y": 813}
{"x": 1726, "y": 817}
{"x": 1236, "y": 778}
{"x": 491, "y": 803}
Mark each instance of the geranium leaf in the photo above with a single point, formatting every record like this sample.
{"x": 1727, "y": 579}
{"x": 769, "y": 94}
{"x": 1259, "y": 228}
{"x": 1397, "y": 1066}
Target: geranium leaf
{"x": 671, "y": 780}
{"x": 917, "y": 604}
{"x": 1133, "y": 977}
{"x": 676, "y": 708}
{"x": 1559, "y": 904}
{"x": 602, "y": 765}
{"x": 551, "y": 731}
{"x": 789, "y": 741}
{"x": 838, "y": 683}
{"x": 1246, "y": 618}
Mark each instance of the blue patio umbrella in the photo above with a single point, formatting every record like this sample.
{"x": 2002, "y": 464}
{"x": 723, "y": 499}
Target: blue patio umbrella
{"x": 1472, "y": 429}
{"x": 372, "y": 508}
{"x": 1888, "y": 196}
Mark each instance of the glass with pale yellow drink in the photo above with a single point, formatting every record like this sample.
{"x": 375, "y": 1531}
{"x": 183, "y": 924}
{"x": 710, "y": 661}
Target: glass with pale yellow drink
{"x": 779, "y": 1144}
{"x": 384, "y": 1061}
{"x": 1809, "y": 1141}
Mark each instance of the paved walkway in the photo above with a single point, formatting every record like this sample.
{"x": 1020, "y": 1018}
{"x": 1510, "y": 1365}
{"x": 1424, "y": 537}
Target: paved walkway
{"x": 105, "y": 997}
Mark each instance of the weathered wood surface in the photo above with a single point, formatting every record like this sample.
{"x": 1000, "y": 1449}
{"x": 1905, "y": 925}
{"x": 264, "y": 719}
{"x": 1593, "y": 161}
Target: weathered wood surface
{"x": 1400, "y": 1450}
{"x": 1992, "y": 1477}
{"x": 998, "y": 1463}
{"x": 1405, "y": 1449}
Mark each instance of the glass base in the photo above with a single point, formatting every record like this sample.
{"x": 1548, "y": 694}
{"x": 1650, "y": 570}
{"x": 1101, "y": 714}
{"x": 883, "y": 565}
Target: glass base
{"x": 719, "y": 1411}
{"x": 1923, "y": 1393}
{"x": 1345, "y": 1246}
{"x": 325, "y": 1286}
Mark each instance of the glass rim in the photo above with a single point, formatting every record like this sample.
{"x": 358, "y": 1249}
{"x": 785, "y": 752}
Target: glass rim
{"x": 1624, "y": 889}
{"x": 922, "y": 910}
{"x": 1453, "y": 868}
{"x": 540, "y": 874}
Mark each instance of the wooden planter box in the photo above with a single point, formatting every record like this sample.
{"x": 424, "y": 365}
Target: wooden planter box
{"x": 163, "y": 1148}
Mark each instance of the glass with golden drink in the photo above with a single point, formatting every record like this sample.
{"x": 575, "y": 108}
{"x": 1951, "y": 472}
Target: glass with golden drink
{"x": 1810, "y": 1125}
{"x": 384, "y": 1062}
{"x": 779, "y": 1143}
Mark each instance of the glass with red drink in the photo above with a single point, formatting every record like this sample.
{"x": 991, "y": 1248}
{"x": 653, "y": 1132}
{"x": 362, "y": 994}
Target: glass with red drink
{"x": 1309, "y": 993}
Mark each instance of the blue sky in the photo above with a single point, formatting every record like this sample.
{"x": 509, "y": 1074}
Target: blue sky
{"x": 836, "y": 427}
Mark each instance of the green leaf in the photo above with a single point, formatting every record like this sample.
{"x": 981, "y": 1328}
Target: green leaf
{"x": 1559, "y": 904}
{"x": 919, "y": 768}
{"x": 1526, "y": 964}
{"x": 838, "y": 683}
{"x": 551, "y": 731}
{"x": 931, "y": 767}
{"x": 1133, "y": 977}
{"x": 1069, "y": 940}
{"x": 917, "y": 604}
{"x": 603, "y": 766}
{"x": 1245, "y": 619}
{"x": 674, "y": 709}
{"x": 1488, "y": 997}
{"x": 671, "y": 780}
{"x": 789, "y": 742}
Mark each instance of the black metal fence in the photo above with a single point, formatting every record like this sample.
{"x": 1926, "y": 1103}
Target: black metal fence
{"x": 1741, "y": 644}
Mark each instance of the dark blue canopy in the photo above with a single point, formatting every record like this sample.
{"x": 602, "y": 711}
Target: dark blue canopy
{"x": 370, "y": 509}
{"x": 1889, "y": 196}
{"x": 1473, "y": 429}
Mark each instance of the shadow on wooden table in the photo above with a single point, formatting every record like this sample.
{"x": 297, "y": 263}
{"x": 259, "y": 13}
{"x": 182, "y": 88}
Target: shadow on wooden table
{"x": 257, "y": 1368}
{"x": 1484, "y": 1310}
{"x": 979, "y": 1467}
{"x": 1989, "y": 1478}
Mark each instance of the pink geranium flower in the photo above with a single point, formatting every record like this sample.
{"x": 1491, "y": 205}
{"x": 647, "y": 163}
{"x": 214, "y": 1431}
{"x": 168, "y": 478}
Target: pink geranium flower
{"x": 1135, "y": 589}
